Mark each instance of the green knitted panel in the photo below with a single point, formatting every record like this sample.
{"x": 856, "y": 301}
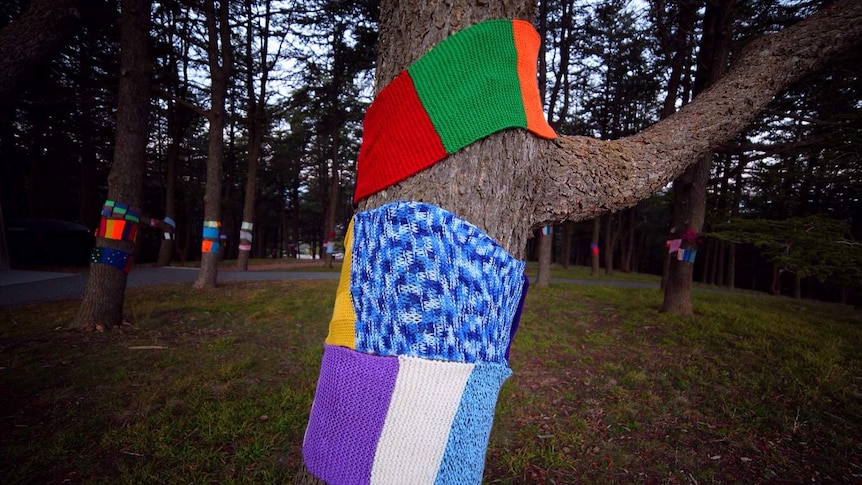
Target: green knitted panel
{"x": 469, "y": 84}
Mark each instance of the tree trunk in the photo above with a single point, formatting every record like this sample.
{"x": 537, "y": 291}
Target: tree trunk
{"x": 594, "y": 247}
{"x": 610, "y": 242}
{"x": 689, "y": 215}
{"x": 689, "y": 207}
{"x": 220, "y": 63}
{"x": 102, "y": 305}
{"x": 256, "y": 126}
{"x": 511, "y": 183}
{"x": 627, "y": 239}
{"x": 730, "y": 279}
{"x": 775, "y": 283}
{"x": 4, "y": 248}
{"x": 566, "y": 249}
{"x": 708, "y": 253}
{"x": 166, "y": 247}
{"x": 545, "y": 243}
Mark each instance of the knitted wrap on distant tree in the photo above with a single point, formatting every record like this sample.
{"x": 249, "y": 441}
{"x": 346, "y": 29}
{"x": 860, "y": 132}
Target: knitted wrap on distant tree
{"x": 427, "y": 304}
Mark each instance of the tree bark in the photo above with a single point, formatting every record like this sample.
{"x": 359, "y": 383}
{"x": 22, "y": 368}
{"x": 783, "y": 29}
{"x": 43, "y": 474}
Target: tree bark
{"x": 102, "y": 305}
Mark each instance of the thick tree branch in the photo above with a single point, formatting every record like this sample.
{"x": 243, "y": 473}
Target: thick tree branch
{"x": 608, "y": 176}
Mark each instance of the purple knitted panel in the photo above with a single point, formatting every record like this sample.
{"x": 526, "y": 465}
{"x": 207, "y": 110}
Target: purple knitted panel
{"x": 350, "y": 405}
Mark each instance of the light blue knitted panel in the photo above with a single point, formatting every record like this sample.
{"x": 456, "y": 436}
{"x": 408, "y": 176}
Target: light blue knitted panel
{"x": 428, "y": 284}
{"x": 463, "y": 461}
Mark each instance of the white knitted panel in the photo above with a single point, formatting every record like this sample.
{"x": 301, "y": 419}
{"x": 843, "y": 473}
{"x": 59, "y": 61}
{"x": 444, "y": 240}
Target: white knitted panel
{"x": 424, "y": 402}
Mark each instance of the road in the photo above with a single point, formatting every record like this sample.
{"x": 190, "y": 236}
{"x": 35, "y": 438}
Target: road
{"x": 19, "y": 287}
{"x": 22, "y": 287}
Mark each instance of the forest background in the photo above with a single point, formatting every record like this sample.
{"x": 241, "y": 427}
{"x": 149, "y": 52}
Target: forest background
{"x": 783, "y": 207}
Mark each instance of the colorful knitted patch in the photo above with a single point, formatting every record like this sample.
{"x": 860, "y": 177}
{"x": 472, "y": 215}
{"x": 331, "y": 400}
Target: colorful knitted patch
{"x": 118, "y": 229}
{"x": 112, "y": 257}
{"x": 396, "y": 420}
{"x": 118, "y": 210}
{"x": 426, "y": 283}
{"x": 474, "y": 83}
{"x": 211, "y": 237}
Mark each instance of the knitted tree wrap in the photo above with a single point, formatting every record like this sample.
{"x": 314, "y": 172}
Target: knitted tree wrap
{"x": 397, "y": 420}
{"x": 426, "y": 283}
{"x": 476, "y": 82}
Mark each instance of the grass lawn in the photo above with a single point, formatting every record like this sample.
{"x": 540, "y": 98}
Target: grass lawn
{"x": 215, "y": 386}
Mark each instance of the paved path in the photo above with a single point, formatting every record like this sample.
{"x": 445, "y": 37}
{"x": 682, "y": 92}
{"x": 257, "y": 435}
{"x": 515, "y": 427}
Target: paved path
{"x": 20, "y": 287}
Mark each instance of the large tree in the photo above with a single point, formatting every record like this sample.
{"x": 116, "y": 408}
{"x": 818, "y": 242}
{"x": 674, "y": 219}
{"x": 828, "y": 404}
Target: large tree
{"x": 220, "y": 60}
{"x": 510, "y": 183}
{"x": 102, "y": 305}
{"x": 689, "y": 190}
{"x": 256, "y": 120}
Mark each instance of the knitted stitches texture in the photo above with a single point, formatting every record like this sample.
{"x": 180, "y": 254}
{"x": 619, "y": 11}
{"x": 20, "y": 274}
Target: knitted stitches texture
{"x": 427, "y": 283}
{"x": 398, "y": 420}
{"x": 476, "y": 82}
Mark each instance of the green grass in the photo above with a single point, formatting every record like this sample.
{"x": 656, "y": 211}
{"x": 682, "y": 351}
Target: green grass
{"x": 215, "y": 386}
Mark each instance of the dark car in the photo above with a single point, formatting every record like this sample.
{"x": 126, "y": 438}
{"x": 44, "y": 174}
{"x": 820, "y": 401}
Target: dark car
{"x": 48, "y": 242}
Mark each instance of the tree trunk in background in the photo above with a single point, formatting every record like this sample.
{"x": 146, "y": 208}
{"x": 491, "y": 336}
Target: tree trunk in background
{"x": 102, "y": 305}
{"x": 332, "y": 207}
{"x": 775, "y": 281}
{"x": 256, "y": 126}
{"x": 627, "y": 240}
{"x": 4, "y": 248}
{"x": 689, "y": 191}
{"x": 689, "y": 207}
{"x": 610, "y": 242}
{"x": 594, "y": 247}
{"x": 545, "y": 243}
{"x": 220, "y": 56}
{"x": 166, "y": 246}
{"x": 566, "y": 249}
{"x": 707, "y": 253}
{"x": 179, "y": 119}
{"x": 730, "y": 280}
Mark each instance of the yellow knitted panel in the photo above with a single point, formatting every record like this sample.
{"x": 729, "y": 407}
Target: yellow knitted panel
{"x": 342, "y": 327}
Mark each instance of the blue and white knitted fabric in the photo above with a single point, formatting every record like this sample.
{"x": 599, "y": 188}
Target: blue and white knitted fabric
{"x": 429, "y": 284}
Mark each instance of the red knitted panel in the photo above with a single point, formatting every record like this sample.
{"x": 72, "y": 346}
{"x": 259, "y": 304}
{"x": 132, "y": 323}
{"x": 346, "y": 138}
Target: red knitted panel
{"x": 398, "y": 139}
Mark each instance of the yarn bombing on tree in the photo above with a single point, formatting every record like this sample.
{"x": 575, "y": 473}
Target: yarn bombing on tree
{"x": 427, "y": 304}
{"x": 474, "y": 83}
